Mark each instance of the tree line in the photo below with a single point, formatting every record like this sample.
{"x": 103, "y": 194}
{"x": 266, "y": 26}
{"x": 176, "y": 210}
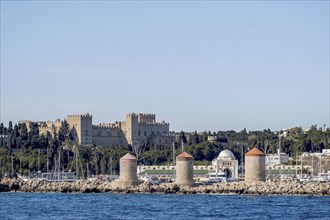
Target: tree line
{"x": 29, "y": 151}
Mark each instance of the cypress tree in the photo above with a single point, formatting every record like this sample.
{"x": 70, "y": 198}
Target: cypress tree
{"x": 1, "y": 128}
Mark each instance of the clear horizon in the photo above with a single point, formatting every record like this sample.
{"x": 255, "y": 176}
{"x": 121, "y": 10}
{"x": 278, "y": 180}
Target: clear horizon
{"x": 197, "y": 65}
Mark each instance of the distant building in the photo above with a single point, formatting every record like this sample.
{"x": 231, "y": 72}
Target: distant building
{"x": 275, "y": 159}
{"x": 212, "y": 138}
{"x": 226, "y": 163}
{"x": 44, "y": 126}
{"x": 136, "y": 129}
{"x": 5, "y": 139}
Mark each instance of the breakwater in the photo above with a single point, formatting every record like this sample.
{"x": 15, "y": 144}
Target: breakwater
{"x": 270, "y": 187}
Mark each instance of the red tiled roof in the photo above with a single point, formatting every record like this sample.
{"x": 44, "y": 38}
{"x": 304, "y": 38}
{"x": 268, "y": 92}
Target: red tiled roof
{"x": 184, "y": 155}
{"x": 128, "y": 156}
{"x": 255, "y": 152}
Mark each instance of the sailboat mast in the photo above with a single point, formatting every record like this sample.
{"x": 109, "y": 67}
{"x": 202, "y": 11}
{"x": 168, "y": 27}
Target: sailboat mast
{"x": 12, "y": 166}
{"x": 173, "y": 145}
{"x": 301, "y": 165}
{"x": 38, "y": 160}
{"x": 76, "y": 155}
{"x": 47, "y": 161}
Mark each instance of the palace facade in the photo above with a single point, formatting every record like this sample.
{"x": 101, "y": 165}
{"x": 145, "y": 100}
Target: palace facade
{"x": 138, "y": 128}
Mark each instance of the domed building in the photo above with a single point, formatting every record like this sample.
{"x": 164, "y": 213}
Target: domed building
{"x": 226, "y": 163}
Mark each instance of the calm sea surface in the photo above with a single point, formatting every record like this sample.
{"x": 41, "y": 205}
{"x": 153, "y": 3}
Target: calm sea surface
{"x": 151, "y": 206}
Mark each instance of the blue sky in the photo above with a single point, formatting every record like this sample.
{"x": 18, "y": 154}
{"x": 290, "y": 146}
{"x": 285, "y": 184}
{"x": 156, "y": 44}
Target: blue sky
{"x": 198, "y": 65}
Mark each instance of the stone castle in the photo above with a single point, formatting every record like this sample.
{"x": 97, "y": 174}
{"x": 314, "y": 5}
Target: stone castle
{"x": 136, "y": 129}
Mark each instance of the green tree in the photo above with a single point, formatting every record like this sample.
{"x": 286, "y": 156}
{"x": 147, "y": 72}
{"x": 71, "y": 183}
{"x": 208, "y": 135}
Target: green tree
{"x": 2, "y": 128}
{"x": 195, "y": 138}
{"x": 10, "y": 127}
{"x": 64, "y": 133}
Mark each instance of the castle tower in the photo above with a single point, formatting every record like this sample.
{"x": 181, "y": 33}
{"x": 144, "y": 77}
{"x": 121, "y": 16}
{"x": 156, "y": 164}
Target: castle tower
{"x": 184, "y": 169}
{"x": 82, "y": 125}
{"x": 128, "y": 171}
{"x": 255, "y": 168}
{"x": 131, "y": 129}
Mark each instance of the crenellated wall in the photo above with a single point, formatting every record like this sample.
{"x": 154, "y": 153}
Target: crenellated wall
{"x": 137, "y": 128}
{"x": 108, "y": 135}
{"x": 82, "y": 124}
{"x": 49, "y": 126}
{"x": 146, "y": 118}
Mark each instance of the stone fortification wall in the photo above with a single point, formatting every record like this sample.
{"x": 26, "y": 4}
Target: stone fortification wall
{"x": 130, "y": 127}
{"x": 108, "y": 135}
{"x": 44, "y": 126}
{"x": 49, "y": 126}
{"x": 108, "y": 125}
{"x": 26, "y": 122}
{"x": 82, "y": 125}
{"x": 255, "y": 169}
{"x": 146, "y": 118}
{"x": 156, "y": 127}
{"x": 158, "y": 132}
{"x": 137, "y": 128}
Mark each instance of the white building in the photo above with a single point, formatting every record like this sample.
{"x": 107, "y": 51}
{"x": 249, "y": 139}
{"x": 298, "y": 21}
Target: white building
{"x": 275, "y": 159}
{"x": 227, "y": 163}
{"x": 324, "y": 153}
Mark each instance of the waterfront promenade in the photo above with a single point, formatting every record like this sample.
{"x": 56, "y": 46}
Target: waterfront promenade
{"x": 270, "y": 187}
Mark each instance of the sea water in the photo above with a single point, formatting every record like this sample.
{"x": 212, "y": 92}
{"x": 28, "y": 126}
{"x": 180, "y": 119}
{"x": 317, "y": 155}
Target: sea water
{"x": 155, "y": 206}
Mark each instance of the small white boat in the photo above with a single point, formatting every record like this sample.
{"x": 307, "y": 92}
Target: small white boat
{"x": 322, "y": 177}
{"x": 150, "y": 179}
{"x": 304, "y": 178}
{"x": 216, "y": 177}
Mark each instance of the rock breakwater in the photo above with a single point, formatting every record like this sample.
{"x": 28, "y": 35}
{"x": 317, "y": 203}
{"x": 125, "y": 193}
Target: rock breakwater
{"x": 270, "y": 187}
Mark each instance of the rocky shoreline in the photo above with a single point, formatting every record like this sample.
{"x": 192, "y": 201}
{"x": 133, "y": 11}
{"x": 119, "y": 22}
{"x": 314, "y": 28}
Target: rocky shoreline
{"x": 270, "y": 187}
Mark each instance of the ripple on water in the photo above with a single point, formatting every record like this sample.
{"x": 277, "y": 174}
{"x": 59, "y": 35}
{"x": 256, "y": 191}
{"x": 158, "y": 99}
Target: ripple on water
{"x": 151, "y": 206}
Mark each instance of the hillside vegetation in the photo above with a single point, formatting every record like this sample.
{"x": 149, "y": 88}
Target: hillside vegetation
{"x": 28, "y": 151}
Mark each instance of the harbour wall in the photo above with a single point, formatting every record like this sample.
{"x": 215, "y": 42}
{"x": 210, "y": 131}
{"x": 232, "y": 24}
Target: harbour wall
{"x": 270, "y": 187}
